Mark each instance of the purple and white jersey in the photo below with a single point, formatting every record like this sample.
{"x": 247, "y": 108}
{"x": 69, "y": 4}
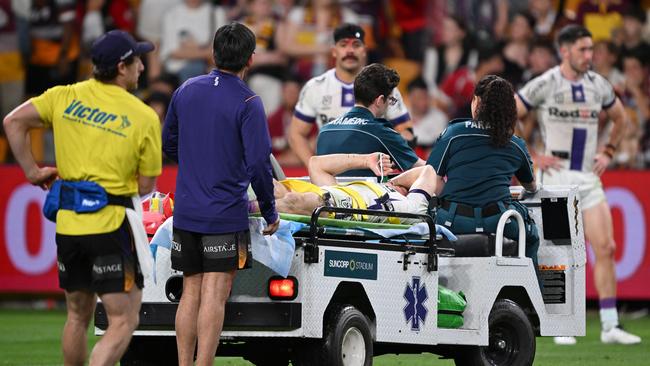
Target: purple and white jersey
{"x": 567, "y": 113}
{"x": 325, "y": 98}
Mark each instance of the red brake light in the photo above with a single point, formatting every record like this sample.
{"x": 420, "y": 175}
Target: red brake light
{"x": 283, "y": 288}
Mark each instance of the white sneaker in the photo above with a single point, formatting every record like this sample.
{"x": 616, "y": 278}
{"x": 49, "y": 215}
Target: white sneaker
{"x": 618, "y": 336}
{"x": 565, "y": 341}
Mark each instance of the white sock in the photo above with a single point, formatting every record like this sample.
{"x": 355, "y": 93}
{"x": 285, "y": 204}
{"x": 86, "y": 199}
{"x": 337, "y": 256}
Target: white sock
{"x": 608, "y": 318}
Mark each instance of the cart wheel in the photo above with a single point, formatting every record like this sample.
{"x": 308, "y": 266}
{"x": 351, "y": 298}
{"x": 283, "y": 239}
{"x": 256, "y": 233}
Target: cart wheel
{"x": 348, "y": 341}
{"x": 511, "y": 339}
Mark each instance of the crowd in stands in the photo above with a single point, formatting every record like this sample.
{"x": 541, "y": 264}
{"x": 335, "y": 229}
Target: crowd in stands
{"x": 440, "y": 48}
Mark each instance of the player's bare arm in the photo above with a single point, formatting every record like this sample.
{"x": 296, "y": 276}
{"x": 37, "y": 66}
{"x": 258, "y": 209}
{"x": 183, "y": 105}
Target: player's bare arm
{"x": 324, "y": 168}
{"x": 423, "y": 177}
{"x": 544, "y": 162}
{"x": 299, "y": 139}
{"x": 617, "y": 114}
{"x": 17, "y": 125}
{"x": 146, "y": 184}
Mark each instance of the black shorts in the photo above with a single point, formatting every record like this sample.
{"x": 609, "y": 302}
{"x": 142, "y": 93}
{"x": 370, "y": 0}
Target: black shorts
{"x": 101, "y": 263}
{"x": 198, "y": 253}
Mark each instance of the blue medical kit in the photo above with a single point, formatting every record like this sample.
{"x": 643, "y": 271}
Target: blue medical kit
{"x": 80, "y": 197}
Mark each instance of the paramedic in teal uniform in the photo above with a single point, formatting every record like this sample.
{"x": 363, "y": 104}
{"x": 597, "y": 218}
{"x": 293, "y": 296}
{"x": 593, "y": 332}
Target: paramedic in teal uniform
{"x": 479, "y": 156}
{"x": 362, "y": 131}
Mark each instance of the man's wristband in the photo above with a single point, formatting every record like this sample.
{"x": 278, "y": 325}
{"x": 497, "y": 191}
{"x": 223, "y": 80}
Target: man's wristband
{"x": 610, "y": 149}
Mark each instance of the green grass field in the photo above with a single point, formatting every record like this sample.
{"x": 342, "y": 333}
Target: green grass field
{"x": 33, "y": 338}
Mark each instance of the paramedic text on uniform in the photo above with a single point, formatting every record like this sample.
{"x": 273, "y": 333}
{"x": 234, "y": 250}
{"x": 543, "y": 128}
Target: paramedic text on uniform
{"x": 106, "y": 138}
{"x": 568, "y": 100}
{"x": 362, "y": 130}
{"x": 216, "y": 130}
{"x": 330, "y": 95}
{"x": 479, "y": 156}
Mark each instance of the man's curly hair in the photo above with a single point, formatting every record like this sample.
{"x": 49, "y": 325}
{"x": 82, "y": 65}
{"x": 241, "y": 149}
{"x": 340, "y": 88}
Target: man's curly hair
{"x": 497, "y": 109}
{"x": 374, "y": 80}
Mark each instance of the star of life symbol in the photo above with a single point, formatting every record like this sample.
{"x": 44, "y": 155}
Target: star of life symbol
{"x": 415, "y": 311}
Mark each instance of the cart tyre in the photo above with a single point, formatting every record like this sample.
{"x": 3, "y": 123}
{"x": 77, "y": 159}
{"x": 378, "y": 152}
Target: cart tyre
{"x": 511, "y": 339}
{"x": 348, "y": 339}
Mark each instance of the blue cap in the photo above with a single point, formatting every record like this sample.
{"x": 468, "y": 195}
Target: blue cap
{"x": 116, "y": 46}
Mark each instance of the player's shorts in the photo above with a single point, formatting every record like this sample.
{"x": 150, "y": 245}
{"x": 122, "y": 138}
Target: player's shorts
{"x": 590, "y": 188}
{"x": 199, "y": 253}
{"x": 100, "y": 263}
{"x": 414, "y": 203}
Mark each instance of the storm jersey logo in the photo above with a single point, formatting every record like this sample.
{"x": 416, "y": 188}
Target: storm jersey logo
{"x": 575, "y": 113}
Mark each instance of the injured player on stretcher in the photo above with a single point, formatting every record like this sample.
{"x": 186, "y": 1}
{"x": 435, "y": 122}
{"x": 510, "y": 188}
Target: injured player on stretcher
{"x": 409, "y": 192}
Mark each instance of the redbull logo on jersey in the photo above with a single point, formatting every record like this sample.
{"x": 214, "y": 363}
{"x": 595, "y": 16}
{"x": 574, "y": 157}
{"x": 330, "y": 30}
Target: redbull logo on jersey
{"x": 77, "y": 110}
{"x": 575, "y": 113}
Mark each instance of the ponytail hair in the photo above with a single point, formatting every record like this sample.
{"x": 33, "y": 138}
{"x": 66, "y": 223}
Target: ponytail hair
{"x": 497, "y": 109}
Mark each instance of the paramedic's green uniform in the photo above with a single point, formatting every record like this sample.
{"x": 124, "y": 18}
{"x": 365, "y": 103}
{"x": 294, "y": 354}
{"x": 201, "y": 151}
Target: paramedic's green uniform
{"x": 478, "y": 180}
{"x": 359, "y": 132}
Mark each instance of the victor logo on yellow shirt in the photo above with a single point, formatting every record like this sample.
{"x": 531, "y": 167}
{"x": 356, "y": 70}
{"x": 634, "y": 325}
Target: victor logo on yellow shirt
{"x": 79, "y": 110}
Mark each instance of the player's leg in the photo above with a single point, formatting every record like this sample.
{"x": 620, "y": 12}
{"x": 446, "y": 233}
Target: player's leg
{"x": 122, "y": 310}
{"x": 80, "y": 305}
{"x": 186, "y": 318}
{"x": 597, "y": 222}
{"x": 223, "y": 254}
{"x": 299, "y": 203}
{"x": 599, "y": 232}
{"x": 187, "y": 257}
{"x": 215, "y": 290}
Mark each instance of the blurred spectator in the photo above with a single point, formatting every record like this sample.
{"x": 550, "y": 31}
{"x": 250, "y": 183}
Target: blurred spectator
{"x": 487, "y": 19}
{"x": 53, "y": 58}
{"x": 632, "y": 35}
{"x": 307, "y": 34}
{"x": 269, "y": 63}
{"x": 459, "y": 86}
{"x": 282, "y": 8}
{"x": 453, "y": 53}
{"x": 637, "y": 86}
{"x": 11, "y": 70}
{"x": 54, "y": 52}
{"x": 149, "y": 28}
{"x": 604, "y": 63}
{"x": 280, "y": 120}
{"x": 517, "y": 47}
{"x": 186, "y": 42}
{"x": 159, "y": 101}
{"x": 92, "y": 26}
{"x": 637, "y": 106}
{"x": 164, "y": 83}
{"x": 601, "y": 17}
{"x": 407, "y": 22}
{"x": 541, "y": 58}
{"x": 428, "y": 122}
{"x": 548, "y": 19}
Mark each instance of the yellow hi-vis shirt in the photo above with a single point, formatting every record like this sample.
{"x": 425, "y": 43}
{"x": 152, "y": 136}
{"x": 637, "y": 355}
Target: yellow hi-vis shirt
{"x": 102, "y": 134}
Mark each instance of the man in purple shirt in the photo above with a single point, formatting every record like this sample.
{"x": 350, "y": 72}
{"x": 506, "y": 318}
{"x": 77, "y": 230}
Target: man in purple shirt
{"x": 216, "y": 130}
